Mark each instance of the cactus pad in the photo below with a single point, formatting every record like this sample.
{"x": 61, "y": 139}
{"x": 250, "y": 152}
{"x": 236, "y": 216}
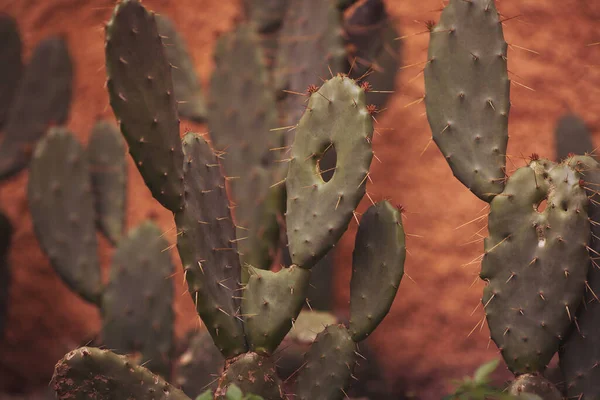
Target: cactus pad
{"x": 536, "y": 262}
{"x": 11, "y": 61}
{"x": 329, "y": 365}
{"x": 60, "y": 195}
{"x": 580, "y": 352}
{"x": 252, "y": 373}
{"x": 141, "y": 95}
{"x": 272, "y": 301}
{"x": 572, "y": 136}
{"x": 318, "y": 212}
{"x": 207, "y": 247}
{"x": 106, "y": 152}
{"x": 186, "y": 86}
{"x": 141, "y": 320}
{"x": 90, "y": 373}
{"x": 534, "y": 384}
{"x": 467, "y": 94}
{"x": 42, "y": 100}
{"x": 377, "y": 268}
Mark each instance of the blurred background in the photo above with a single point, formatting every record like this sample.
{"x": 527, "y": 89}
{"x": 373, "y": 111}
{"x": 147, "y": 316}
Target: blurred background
{"x": 434, "y": 332}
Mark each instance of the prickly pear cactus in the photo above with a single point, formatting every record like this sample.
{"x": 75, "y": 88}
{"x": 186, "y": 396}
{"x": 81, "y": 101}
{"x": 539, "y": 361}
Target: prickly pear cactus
{"x": 467, "y": 94}
{"x": 534, "y": 384}
{"x": 108, "y": 168}
{"x": 11, "y": 61}
{"x": 42, "y": 99}
{"x": 572, "y": 137}
{"x": 536, "y": 262}
{"x": 141, "y": 94}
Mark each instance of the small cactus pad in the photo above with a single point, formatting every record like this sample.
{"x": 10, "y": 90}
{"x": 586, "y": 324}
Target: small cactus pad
{"x": 372, "y": 48}
{"x": 318, "y": 212}
{"x": 11, "y": 61}
{"x": 310, "y": 46}
{"x": 534, "y": 384}
{"x": 42, "y": 99}
{"x": 106, "y": 152}
{"x": 266, "y": 15}
{"x": 62, "y": 209}
{"x": 377, "y": 268}
{"x": 186, "y": 86}
{"x": 242, "y": 112}
{"x": 580, "y": 352}
{"x": 328, "y": 366}
{"x": 141, "y": 95}
{"x": 272, "y": 301}
{"x": 137, "y": 305}
{"x": 252, "y": 373}
{"x": 199, "y": 366}
{"x": 207, "y": 247}
{"x": 535, "y": 262}
{"x": 572, "y": 136}
{"x": 6, "y": 232}
{"x": 90, "y": 373}
{"x": 467, "y": 94}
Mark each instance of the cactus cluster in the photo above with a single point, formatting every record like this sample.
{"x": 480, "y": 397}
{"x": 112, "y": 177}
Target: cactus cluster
{"x": 538, "y": 257}
{"x": 248, "y": 310}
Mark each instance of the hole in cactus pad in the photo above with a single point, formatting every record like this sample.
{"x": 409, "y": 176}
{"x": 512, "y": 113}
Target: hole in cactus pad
{"x": 541, "y": 206}
{"x": 327, "y": 163}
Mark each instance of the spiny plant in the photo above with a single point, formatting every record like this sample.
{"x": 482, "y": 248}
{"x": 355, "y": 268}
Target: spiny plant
{"x": 536, "y": 260}
{"x": 79, "y": 190}
{"x": 247, "y": 321}
{"x": 572, "y": 136}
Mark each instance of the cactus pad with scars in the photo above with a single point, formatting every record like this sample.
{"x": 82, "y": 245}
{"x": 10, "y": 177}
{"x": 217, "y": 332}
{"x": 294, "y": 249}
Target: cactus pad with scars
{"x": 59, "y": 194}
{"x": 242, "y": 112}
{"x": 377, "y": 268}
{"x": 467, "y": 94}
{"x": 141, "y": 320}
{"x": 207, "y": 247}
{"x": 42, "y": 99}
{"x": 536, "y": 262}
{"x": 106, "y": 151}
{"x": 186, "y": 86}
{"x": 11, "y": 61}
{"x": 534, "y": 384}
{"x": 141, "y": 95}
{"x": 6, "y": 232}
{"x": 329, "y": 365}
{"x": 310, "y": 46}
{"x": 580, "y": 352}
{"x": 90, "y": 373}
{"x": 199, "y": 366}
{"x": 572, "y": 136}
{"x": 272, "y": 300}
{"x": 318, "y": 212}
{"x": 252, "y": 373}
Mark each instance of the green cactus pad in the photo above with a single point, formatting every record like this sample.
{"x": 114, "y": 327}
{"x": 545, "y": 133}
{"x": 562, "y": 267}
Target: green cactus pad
{"x": 266, "y": 15}
{"x": 207, "y": 247}
{"x": 572, "y": 137}
{"x": 90, "y": 373}
{"x": 60, "y": 195}
{"x": 272, "y": 300}
{"x": 142, "y": 97}
{"x": 11, "y": 61}
{"x": 534, "y": 384}
{"x": 242, "y": 112}
{"x": 106, "y": 152}
{"x": 252, "y": 373}
{"x": 137, "y": 305}
{"x": 372, "y": 48}
{"x": 186, "y": 86}
{"x": 310, "y": 46}
{"x": 467, "y": 94}
{"x": 6, "y": 232}
{"x": 580, "y": 352}
{"x": 377, "y": 268}
{"x": 200, "y": 366}
{"x": 536, "y": 262}
{"x": 318, "y": 212}
{"x": 328, "y": 366}
{"x": 42, "y": 100}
